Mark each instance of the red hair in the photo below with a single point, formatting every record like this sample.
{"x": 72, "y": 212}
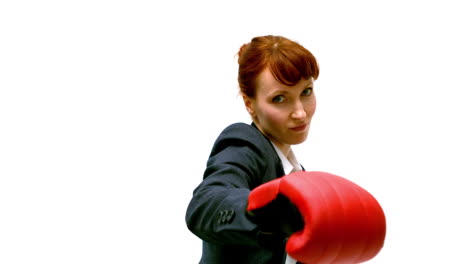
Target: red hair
{"x": 288, "y": 61}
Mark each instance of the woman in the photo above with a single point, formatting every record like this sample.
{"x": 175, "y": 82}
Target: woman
{"x": 276, "y": 78}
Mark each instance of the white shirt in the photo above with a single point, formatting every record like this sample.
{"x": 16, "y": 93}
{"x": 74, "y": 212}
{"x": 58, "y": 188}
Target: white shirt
{"x": 290, "y": 164}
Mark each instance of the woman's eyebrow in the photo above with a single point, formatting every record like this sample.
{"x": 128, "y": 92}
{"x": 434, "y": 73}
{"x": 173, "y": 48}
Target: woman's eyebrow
{"x": 279, "y": 91}
{"x": 309, "y": 84}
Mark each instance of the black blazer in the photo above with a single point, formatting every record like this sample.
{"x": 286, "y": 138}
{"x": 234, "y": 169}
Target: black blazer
{"x": 242, "y": 158}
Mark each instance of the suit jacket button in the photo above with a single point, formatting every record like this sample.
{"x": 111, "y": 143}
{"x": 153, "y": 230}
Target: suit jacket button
{"x": 230, "y": 216}
{"x": 224, "y": 217}
{"x": 220, "y": 217}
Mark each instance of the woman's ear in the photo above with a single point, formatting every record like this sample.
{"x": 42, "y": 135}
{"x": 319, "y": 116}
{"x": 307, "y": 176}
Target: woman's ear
{"x": 249, "y": 105}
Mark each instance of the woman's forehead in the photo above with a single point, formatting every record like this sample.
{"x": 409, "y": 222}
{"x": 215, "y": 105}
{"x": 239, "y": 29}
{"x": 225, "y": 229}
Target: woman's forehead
{"x": 267, "y": 83}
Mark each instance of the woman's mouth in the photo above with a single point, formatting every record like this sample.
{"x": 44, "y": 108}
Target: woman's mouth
{"x": 299, "y": 128}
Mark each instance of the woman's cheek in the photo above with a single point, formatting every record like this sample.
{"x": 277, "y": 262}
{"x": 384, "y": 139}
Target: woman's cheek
{"x": 277, "y": 117}
{"x": 311, "y": 106}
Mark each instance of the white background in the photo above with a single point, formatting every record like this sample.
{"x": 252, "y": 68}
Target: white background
{"x": 108, "y": 111}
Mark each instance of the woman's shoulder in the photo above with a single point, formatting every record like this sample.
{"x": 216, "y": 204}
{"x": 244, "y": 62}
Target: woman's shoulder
{"x": 242, "y": 131}
{"x": 242, "y": 134}
{"x": 241, "y": 143}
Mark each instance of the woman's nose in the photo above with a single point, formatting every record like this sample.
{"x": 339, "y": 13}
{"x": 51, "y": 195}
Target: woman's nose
{"x": 299, "y": 112}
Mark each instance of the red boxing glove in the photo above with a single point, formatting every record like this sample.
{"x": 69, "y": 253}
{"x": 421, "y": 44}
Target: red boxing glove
{"x": 343, "y": 223}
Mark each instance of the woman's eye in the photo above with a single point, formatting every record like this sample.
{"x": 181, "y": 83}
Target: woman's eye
{"x": 307, "y": 91}
{"x": 278, "y": 99}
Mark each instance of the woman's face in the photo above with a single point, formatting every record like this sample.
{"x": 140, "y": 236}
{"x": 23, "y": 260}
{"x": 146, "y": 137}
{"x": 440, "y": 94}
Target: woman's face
{"x": 282, "y": 113}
